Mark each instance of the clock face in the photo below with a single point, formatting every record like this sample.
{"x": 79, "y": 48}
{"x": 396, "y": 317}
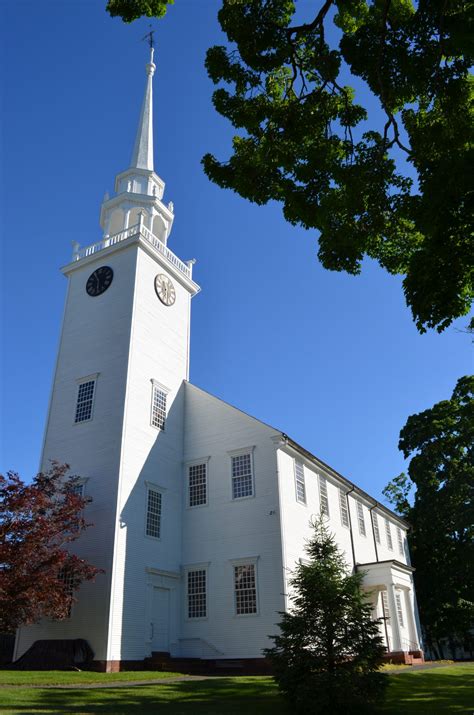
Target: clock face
{"x": 99, "y": 281}
{"x": 165, "y": 289}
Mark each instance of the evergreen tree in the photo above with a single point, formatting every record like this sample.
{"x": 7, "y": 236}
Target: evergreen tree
{"x": 327, "y": 655}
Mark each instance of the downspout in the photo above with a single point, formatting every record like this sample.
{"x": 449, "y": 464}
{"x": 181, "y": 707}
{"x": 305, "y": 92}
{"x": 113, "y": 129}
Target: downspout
{"x": 350, "y": 525}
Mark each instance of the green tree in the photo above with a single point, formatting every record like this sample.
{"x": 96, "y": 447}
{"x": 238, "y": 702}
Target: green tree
{"x": 334, "y": 166}
{"x": 130, "y": 10}
{"x": 327, "y": 654}
{"x": 440, "y": 442}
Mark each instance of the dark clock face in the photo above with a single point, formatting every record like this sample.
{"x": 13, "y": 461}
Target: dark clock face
{"x": 99, "y": 281}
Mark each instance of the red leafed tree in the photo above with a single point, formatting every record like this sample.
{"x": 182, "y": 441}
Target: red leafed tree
{"x": 38, "y": 574}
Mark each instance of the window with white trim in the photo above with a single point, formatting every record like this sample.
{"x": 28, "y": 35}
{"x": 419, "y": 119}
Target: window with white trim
{"x": 197, "y": 597}
{"x": 245, "y": 588}
{"x": 77, "y": 488}
{"x": 360, "y": 519}
{"x": 153, "y": 513}
{"x": 66, "y": 578}
{"x": 375, "y": 522}
{"x": 323, "y": 495}
{"x": 299, "y": 482}
{"x": 401, "y": 550}
{"x": 197, "y": 484}
{"x": 386, "y": 612}
{"x": 343, "y": 508}
{"x": 242, "y": 477}
{"x": 388, "y": 533}
{"x": 85, "y": 400}
{"x": 398, "y": 600}
{"x": 158, "y": 407}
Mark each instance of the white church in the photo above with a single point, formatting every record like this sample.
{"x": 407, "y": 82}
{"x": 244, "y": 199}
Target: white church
{"x": 199, "y": 510}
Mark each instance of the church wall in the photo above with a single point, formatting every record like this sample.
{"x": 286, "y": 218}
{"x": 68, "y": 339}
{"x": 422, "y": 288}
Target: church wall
{"x": 384, "y": 552}
{"x": 296, "y": 517}
{"x": 95, "y": 338}
{"x": 363, "y": 544}
{"x": 159, "y": 351}
{"x": 225, "y": 530}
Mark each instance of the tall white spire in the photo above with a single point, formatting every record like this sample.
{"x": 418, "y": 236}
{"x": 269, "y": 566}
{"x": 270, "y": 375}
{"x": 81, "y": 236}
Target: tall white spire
{"x": 142, "y": 157}
{"x": 139, "y": 191}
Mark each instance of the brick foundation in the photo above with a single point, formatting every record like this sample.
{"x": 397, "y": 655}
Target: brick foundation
{"x": 162, "y": 661}
{"x": 116, "y": 666}
{"x": 402, "y": 657}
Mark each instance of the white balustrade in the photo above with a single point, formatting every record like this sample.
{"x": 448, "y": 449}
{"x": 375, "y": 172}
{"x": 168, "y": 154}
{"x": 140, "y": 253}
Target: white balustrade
{"x": 137, "y": 229}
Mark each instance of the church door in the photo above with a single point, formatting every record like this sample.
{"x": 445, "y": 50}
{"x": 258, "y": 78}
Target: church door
{"x": 160, "y": 620}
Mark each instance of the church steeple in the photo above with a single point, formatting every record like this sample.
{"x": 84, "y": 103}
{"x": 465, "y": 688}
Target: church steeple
{"x": 139, "y": 191}
{"x": 142, "y": 157}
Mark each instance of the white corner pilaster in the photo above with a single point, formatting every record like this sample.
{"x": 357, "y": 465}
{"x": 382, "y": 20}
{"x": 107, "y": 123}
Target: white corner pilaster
{"x": 392, "y": 604}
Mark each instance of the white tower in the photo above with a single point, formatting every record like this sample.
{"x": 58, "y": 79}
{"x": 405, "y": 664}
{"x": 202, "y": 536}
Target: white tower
{"x": 116, "y": 413}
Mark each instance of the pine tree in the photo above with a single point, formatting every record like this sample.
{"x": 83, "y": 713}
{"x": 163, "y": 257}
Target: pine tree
{"x": 327, "y": 655}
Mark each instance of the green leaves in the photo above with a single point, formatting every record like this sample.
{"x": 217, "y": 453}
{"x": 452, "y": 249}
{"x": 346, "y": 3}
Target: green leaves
{"x": 302, "y": 142}
{"x": 130, "y": 10}
{"x": 440, "y": 441}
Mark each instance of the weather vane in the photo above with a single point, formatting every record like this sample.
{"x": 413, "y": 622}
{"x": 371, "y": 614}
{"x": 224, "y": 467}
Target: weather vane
{"x": 150, "y": 38}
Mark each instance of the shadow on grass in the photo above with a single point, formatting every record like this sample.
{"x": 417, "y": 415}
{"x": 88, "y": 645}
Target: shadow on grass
{"x": 447, "y": 691}
{"x": 226, "y": 696}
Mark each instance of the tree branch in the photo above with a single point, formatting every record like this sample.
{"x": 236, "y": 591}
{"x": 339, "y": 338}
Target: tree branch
{"x": 318, "y": 20}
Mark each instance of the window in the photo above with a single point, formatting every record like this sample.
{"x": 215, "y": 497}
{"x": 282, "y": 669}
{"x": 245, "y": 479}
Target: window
{"x": 299, "y": 482}
{"x": 242, "y": 481}
{"x": 360, "y": 518}
{"x": 197, "y": 602}
{"x": 158, "y": 407}
{"x": 323, "y": 496}
{"x": 343, "y": 508}
{"x": 401, "y": 550}
{"x": 375, "y": 522}
{"x": 66, "y": 578}
{"x": 153, "y": 514}
{"x": 388, "y": 534}
{"x": 78, "y": 490}
{"x": 85, "y": 401}
{"x": 398, "y": 600}
{"x": 386, "y": 612}
{"x": 76, "y": 486}
{"x": 245, "y": 589}
{"x": 197, "y": 484}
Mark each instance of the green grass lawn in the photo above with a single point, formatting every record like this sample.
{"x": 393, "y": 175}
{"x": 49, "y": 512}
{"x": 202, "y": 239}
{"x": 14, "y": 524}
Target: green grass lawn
{"x": 70, "y": 677}
{"x": 443, "y": 691}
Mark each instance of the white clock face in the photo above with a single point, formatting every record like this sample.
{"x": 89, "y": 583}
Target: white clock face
{"x": 165, "y": 289}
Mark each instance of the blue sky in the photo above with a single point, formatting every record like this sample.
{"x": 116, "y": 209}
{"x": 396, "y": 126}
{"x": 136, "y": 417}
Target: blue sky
{"x": 334, "y": 361}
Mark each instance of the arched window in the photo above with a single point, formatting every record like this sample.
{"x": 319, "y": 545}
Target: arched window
{"x": 117, "y": 221}
{"x": 134, "y": 218}
{"x": 159, "y": 228}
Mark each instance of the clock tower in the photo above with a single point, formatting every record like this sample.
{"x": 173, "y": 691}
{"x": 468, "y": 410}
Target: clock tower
{"x": 116, "y": 413}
